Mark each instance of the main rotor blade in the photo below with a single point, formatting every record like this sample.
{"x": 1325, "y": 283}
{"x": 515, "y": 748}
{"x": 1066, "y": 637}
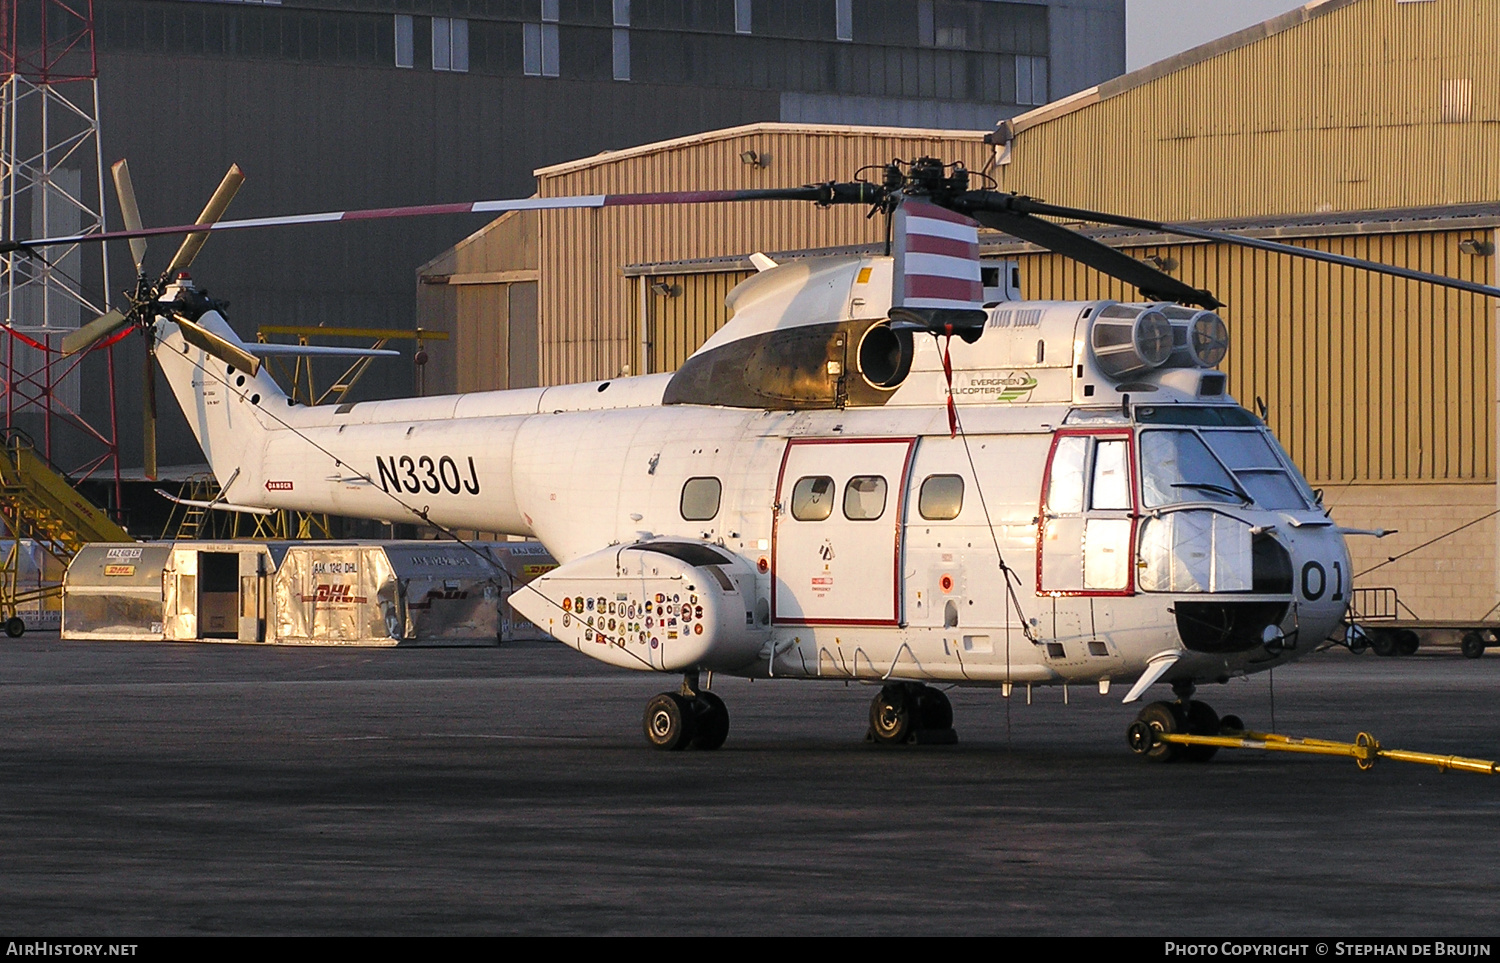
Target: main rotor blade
{"x": 212, "y": 211}
{"x": 992, "y": 211}
{"x": 95, "y": 331}
{"x": 231, "y": 354}
{"x": 851, "y": 193}
{"x": 1032, "y": 206}
{"x": 125, "y": 194}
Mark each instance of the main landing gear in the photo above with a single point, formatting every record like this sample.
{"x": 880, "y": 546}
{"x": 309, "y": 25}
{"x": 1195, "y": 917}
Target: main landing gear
{"x": 1185, "y": 715}
{"x": 911, "y": 712}
{"x": 689, "y": 717}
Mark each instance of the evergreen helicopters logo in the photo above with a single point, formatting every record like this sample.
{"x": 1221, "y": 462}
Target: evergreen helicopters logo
{"x": 1004, "y": 386}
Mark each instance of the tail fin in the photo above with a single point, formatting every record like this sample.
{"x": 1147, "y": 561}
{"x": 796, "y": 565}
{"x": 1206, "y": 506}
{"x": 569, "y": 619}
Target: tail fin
{"x": 225, "y": 407}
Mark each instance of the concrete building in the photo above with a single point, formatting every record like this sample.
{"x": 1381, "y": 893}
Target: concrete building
{"x": 1366, "y": 127}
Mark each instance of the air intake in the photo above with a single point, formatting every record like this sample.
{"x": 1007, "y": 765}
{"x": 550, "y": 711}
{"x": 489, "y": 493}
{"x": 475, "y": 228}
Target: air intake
{"x": 1130, "y": 339}
{"x": 1200, "y": 339}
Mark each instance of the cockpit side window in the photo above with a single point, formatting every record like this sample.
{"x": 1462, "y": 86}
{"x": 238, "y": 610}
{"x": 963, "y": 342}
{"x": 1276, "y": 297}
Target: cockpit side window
{"x": 1085, "y": 539}
{"x": 1065, "y": 487}
{"x": 1111, "y": 487}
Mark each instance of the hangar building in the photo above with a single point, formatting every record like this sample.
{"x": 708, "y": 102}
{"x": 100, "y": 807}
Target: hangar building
{"x": 1367, "y": 127}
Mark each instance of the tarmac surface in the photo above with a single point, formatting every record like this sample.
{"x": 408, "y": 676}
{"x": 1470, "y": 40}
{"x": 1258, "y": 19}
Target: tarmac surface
{"x": 159, "y": 789}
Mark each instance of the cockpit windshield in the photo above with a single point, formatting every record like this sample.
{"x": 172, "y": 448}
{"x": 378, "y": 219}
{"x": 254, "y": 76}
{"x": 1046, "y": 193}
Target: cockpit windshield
{"x": 1236, "y": 466}
{"x": 1176, "y": 467}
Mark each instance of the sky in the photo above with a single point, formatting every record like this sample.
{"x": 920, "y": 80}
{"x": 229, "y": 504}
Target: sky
{"x": 1155, "y": 29}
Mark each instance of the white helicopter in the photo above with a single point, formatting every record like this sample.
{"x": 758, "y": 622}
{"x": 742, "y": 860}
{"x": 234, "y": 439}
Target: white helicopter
{"x": 879, "y": 470}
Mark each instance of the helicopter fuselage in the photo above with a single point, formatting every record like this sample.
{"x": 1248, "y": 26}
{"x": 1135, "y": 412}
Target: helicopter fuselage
{"x": 1064, "y": 527}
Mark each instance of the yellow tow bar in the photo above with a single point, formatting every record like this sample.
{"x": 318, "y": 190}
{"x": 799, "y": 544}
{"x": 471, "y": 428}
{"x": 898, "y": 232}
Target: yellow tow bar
{"x": 1364, "y": 750}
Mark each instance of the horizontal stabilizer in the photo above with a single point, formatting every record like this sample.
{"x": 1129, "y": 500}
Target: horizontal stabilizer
{"x": 221, "y": 348}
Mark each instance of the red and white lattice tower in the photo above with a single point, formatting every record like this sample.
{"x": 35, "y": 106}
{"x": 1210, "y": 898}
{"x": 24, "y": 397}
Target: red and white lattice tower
{"x": 51, "y": 184}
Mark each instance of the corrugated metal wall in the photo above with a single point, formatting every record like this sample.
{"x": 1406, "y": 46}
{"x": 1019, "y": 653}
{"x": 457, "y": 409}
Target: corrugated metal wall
{"x": 1366, "y": 378}
{"x": 683, "y": 311}
{"x": 483, "y": 293}
{"x": 1375, "y": 104}
{"x": 588, "y": 310}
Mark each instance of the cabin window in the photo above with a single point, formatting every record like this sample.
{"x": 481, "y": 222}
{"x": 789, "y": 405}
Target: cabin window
{"x": 700, "y": 499}
{"x": 941, "y": 498}
{"x": 812, "y": 498}
{"x": 864, "y": 498}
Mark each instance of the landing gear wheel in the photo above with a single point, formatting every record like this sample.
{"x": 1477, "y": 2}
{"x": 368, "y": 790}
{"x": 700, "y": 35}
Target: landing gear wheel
{"x": 891, "y": 715}
{"x": 1158, "y": 717}
{"x": 14, "y": 627}
{"x": 934, "y": 711}
{"x": 1231, "y": 725}
{"x": 669, "y": 721}
{"x": 710, "y": 721}
{"x": 1201, "y": 721}
{"x": 1358, "y": 642}
{"x": 1407, "y": 642}
{"x": 1472, "y": 645}
{"x": 1383, "y": 642}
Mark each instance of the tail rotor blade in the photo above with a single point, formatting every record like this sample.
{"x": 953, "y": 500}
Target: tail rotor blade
{"x": 214, "y": 210}
{"x": 93, "y": 332}
{"x": 231, "y": 354}
{"x": 125, "y": 193}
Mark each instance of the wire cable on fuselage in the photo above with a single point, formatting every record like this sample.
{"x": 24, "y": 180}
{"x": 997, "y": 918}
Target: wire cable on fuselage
{"x": 418, "y": 513}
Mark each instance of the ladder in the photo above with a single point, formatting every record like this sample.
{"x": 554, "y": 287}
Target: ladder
{"x": 194, "y": 521}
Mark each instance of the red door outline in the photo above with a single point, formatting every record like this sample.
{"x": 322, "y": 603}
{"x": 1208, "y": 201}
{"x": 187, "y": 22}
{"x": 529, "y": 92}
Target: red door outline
{"x": 1135, "y": 509}
{"x": 899, "y": 524}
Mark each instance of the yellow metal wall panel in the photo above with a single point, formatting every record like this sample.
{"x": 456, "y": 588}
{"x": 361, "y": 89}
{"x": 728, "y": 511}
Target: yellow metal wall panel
{"x": 508, "y": 243}
{"x": 587, "y": 315}
{"x": 1342, "y": 112}
{"x": 483, "y": 327}
{"x": 680, "y": 321}
{"x": 1366, "y": 378}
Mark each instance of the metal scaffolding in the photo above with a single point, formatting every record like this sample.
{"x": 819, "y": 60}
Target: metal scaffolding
{"x": 52, "y": 183}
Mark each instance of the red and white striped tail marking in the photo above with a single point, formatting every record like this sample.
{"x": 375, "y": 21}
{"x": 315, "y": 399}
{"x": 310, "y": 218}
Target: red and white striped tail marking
{"x": 937, "y": 258}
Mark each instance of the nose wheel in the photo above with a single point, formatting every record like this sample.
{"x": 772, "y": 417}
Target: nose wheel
{"x": 1189, "y": 716}
{"x": 688, "y": 718}
{"x": 908, "y": 712}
